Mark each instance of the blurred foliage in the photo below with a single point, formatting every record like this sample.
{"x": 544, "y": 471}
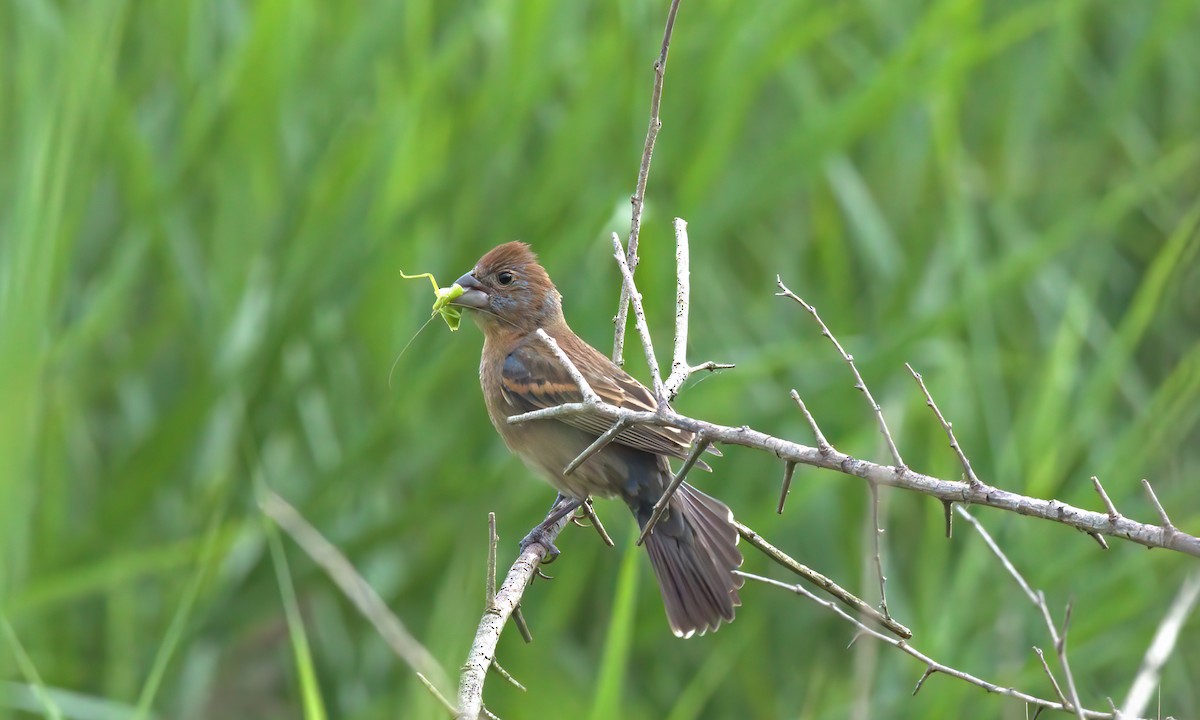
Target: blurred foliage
{"x": 204, "y": 206}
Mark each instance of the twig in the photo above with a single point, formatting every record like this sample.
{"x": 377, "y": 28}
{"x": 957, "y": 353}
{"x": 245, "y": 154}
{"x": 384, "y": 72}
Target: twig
{"x": 487, "y": 636}
{"x": 790, "y": 467}
{"x": 589, "y": 510}
{"x": 506, "y": 675}
{"x": 493, "y": 540}
{"x": 861, "y": 385}
{"x": 589, "y": 395}
{"x": 822, "y": 444}
{"x": 699, "y": 445}
{"x": 597, "y": 445}
{"x": 680, "y": 369}
{"x": 445, "y": 703}
{"x": 355, "y": 588}
{"x": 876, "y": 531}
{"x": 1113, "y": 515}
{"x": 1162, "y": 646}
{"x": 683, "y": 293}
{"x": 1039, "y": 601}
{"x": 1162, "y": 513}
{"x": 931, "y": 666}
{"x": 1053, "y": 680}
{"x": 948, "y": 427}
{"x": 639, "y": 196}
{"x": 639, "y": 316}
{"x": 858, "y": 381}
{"x": 1061, "y": 646}
{"x": 844, "y": 596}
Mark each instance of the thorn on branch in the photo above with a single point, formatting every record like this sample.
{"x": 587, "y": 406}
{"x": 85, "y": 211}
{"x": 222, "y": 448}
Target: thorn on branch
{"x": 522, "y": 626}
{"x": 506, "y": 675}
{"x": 437, "y": 694}
{"x": 1162, "y": 513}
{"x": 789, "y": 469}
{"x": 590, "y": 511}
{"x": 822, "y": 444}
{"x": 1053, "y": 681}
{"x": 1113, "y": 515}
{"x": 929, "y": 670}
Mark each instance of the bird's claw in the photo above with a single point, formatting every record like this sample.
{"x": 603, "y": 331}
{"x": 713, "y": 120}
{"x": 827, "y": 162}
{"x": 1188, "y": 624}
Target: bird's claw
{"x": 540, "y": 536}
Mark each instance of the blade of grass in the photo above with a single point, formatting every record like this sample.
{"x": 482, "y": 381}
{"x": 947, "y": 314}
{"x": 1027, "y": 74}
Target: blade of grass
{"x": 614, "y": 661}
{"x": 310, "y": 689}
{"x": 49, "y": 708}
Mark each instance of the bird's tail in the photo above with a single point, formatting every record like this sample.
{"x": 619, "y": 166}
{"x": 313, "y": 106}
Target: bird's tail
{"x": 694, "y": 555}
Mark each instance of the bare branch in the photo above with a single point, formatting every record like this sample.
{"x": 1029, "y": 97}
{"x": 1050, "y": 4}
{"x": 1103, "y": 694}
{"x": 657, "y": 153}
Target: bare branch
{"x": 639, "y": 196}
{"x": 876, "y": 531}
{"x": 639, "y": 316}
{"x": 599, "y": 444}
{"x": 859, "y": 384}
{"x": 445, "y": 703}
{"x": 1113, "y": 515}
{"x": 356, "y": 589}
{"x": 680, "y": 369}
{"x": 493, "y": 540}
{"x": 589, "y": 395}
{"x": 847, "y": 598}
{"x": 487, "y": 636}
{"x": 1039, "y": 601}
{"x": 932, "y": 666}
{"x": 1162, "y": 646}
{"x": 699, "y": 445}
{"x": 907, "y": 479}
{"x": 683, "y": 294}
{"x": 1162, "y": 513}
{"x": 947, "y": 426}
{"x": 506, "y": 675}
{"x": 822, "y": 444}
{"x": 1053, "y": 680}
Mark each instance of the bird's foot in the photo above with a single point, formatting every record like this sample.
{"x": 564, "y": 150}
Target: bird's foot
{"x": 540, "y": 535}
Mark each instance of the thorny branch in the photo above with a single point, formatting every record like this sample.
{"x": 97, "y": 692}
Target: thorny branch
{"x": 931, "y": 666}
{"x": 495, "y": 616}
{"x": 1146, "y": 534}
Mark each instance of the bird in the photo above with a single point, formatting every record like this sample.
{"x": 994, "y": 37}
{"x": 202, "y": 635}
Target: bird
{"x": 693, "y": 547}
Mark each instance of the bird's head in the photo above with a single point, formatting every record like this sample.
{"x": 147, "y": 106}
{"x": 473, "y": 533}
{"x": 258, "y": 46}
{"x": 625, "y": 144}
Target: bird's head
{"x": 509, "y": 289}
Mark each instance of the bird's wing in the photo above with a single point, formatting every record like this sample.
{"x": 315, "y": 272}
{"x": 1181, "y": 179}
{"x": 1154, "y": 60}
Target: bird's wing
{"x": 533, "y": 378}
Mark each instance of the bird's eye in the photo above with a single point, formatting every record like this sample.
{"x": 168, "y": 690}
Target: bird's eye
{"x": 504, "y": 277}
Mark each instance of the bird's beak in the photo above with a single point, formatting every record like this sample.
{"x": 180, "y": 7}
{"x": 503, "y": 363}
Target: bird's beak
{"x": 473, "y": 294}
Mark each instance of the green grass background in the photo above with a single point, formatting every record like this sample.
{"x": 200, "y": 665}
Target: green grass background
{"x": 204, "y": 205}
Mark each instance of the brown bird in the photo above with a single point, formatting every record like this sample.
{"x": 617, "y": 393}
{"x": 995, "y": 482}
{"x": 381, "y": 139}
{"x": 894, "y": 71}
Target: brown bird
{"x": 693, "y": 546}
